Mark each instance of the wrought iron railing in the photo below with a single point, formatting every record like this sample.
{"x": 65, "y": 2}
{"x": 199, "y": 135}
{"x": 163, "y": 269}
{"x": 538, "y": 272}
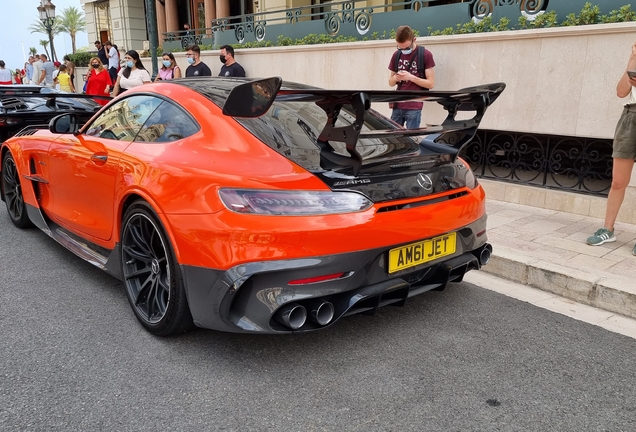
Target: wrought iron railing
{"x": 354, "y": 18}
{"x": 556, "y": 162}
{"x": 190, "y": 37}
{"x": 357, "y": 19}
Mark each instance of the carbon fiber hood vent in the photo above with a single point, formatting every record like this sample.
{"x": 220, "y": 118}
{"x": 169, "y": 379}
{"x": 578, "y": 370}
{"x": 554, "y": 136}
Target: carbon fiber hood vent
{"x": 12, "y": 103}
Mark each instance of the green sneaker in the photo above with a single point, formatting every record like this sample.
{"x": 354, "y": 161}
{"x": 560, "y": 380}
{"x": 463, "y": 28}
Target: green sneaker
{"x": 602, "y": 235}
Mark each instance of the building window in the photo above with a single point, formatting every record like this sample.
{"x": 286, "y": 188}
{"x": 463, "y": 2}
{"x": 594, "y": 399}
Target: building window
{"x": 324, "y": 7}
{"x": 102, "y": 20}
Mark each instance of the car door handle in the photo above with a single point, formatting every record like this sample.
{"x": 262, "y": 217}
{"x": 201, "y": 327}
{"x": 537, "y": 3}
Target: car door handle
{"x": 101, "y": 158}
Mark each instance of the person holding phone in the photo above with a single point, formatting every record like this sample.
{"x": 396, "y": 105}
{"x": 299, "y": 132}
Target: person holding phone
{"x": 411, "y": 68}
{"x": 623, "y": 154}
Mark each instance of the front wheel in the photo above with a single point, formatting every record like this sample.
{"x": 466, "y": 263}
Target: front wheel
{"x": 13, "y": 197}
{"x": 153, "y": 285}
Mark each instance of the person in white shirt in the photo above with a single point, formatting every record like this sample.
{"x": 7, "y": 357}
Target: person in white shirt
{"x": 133, "y": 75}
{"x": 113, "y": 60}
{"x": 37, "y": 71}
{"x": 6, "y": 77}
{"x": 55, "y": 74}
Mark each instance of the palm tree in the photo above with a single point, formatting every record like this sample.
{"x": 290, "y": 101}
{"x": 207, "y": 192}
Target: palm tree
{"x": 38, "y": 27}
{"x": 33, "y": 51}
{"x": 72, "y": 21}
{"x": 45, "y": 44}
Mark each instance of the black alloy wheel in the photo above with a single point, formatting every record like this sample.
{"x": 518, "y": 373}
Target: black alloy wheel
{"x": 13, "y": 193}
{"x": 153, "y": 286}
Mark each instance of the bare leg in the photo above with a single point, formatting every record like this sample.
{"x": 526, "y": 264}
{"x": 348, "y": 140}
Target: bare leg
{"x": 621, "y": 174}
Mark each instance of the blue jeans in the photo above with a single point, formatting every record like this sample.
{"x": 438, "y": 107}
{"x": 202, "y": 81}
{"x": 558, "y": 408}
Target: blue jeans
{"x": 412, "y": 118}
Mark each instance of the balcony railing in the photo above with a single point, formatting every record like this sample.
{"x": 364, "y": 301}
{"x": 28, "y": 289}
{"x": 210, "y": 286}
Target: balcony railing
{"x": 357, "y": 19}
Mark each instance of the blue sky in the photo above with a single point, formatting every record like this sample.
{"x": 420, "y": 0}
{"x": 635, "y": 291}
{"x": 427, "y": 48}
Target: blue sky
{"x": 14, "y": 33}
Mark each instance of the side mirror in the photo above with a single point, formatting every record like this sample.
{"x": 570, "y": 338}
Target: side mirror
{"x": 252, "y": 99}
{"x": 63, "y": 124}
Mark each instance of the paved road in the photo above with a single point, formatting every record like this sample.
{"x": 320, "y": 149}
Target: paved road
{"x": 73, "y": 357}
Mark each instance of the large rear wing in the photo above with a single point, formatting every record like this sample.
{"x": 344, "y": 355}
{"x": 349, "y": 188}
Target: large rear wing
{"x": 254, "y": 98}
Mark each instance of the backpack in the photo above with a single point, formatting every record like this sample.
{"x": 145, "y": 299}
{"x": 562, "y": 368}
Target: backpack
{"x": 420, "y": 67}
{"x": 420, "y": 61}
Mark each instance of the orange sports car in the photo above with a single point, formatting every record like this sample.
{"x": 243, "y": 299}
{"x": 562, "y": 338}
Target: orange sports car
{"x": 256, "y": 206}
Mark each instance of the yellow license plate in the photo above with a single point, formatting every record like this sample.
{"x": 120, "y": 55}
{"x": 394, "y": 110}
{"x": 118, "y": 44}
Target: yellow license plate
{"x": 417, "y": 253}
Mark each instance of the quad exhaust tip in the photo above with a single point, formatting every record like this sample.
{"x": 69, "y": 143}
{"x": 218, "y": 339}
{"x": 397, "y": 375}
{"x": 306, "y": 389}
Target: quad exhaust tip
{"x": 484, "y": 255}
{"x": 292, "y": 315}
{"x": 321, "y": 313}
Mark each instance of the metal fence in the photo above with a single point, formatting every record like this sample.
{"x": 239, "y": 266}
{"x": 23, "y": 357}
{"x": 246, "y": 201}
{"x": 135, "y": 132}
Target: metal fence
{"x": 357, "y": 19}
{"x": 574, "y": 164}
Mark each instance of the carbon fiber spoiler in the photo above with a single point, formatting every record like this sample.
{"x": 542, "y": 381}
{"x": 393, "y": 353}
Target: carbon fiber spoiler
{"x": 450, "y": 137}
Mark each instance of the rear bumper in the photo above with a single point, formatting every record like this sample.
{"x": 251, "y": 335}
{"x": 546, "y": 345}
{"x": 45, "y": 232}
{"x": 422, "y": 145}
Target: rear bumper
{"x": 248, "y": 297}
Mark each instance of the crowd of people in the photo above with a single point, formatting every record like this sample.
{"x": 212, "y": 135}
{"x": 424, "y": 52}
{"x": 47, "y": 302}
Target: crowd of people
{"x": 107, "y": 76}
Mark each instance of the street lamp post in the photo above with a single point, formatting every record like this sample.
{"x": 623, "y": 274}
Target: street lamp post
{"x": 47, "y": 16}
{"x": 151, "y": 24}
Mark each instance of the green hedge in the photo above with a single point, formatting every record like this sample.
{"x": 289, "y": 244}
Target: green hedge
{"x": 81, "y": 59}
{"x": 590, "y": 14}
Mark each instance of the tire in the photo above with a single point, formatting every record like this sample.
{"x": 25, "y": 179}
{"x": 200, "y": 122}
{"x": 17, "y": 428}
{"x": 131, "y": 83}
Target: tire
{"x": 13, "y": 197}
{"x": 154, "y": 286}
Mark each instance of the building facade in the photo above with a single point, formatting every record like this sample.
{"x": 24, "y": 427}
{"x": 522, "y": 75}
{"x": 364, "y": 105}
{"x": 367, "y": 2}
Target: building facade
{"x": 219, "y": 22}
{"x": 124, "y": 21}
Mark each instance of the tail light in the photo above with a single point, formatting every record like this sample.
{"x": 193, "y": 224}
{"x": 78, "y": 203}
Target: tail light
{"x": 292, "y": 203}
{"x": 9, "y": 121}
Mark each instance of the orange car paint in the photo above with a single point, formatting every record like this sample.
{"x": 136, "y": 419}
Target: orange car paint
{"x": 185, "y": 176}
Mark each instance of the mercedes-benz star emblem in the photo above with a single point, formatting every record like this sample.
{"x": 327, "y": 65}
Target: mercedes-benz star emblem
{"x": 155, "y": 266}
{"x": 425, "y": 182}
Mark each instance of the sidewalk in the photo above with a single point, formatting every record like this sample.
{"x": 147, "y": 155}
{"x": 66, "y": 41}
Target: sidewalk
{"x": 546, "y": 249}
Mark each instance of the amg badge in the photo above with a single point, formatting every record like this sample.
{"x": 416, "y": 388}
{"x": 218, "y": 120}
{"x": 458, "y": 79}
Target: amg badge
{"x": 352, "y": 182}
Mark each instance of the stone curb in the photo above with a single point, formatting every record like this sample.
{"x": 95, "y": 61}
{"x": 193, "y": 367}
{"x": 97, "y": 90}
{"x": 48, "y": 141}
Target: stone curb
{"x": 611, "y": 294}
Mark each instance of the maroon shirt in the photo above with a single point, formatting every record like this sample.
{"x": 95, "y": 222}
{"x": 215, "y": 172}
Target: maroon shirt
{"x": 408, "y": 63}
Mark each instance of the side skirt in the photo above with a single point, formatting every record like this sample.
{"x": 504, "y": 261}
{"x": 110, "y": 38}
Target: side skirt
{"x": 105, "y": 259}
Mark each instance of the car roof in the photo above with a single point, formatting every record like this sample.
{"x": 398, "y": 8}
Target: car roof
{"x": 217, "y": 89}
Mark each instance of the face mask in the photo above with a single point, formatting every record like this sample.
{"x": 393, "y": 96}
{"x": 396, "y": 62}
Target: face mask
{"x": 190, "y": 60}
{"x": 95, "y": 65}
{"x": 167, "y": 63}
{"x": 129, "y": 63}
{"x": 408, "y": 51}
{"x": 222, "y": 58}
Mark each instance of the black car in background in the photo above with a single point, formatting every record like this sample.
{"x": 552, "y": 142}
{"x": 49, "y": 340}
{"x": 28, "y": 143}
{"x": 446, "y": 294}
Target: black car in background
{"x": 25, "y": 105}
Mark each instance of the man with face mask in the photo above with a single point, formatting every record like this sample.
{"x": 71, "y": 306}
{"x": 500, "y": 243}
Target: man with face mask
{"x": 197, "y": 68}
{"x": 411, "y": 68}
{"x": 230, "y": 67}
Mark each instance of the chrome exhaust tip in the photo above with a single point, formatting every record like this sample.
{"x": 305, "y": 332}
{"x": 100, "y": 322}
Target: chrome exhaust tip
{"x": 292, "y": 315}
{"x": 321, "y": 313}
{"x": 484, "y": 255}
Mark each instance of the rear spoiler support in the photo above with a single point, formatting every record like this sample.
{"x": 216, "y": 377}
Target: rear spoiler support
{"x": 451, "y": 135}
{"x": 348, "y": 134}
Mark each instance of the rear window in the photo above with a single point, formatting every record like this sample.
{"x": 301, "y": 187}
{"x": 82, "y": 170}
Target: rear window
{"x": 292, "y": 128}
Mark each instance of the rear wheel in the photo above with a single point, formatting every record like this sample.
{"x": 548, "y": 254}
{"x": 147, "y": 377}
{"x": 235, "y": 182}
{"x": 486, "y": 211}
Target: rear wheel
{"x": 13, "y": 197}
{"x": 153, "y": 283}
